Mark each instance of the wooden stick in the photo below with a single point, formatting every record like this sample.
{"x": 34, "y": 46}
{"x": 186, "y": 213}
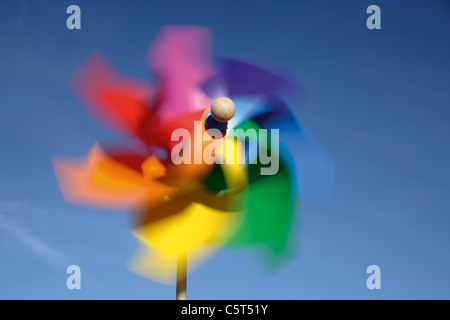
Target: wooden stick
{"x": 181, "y": 276}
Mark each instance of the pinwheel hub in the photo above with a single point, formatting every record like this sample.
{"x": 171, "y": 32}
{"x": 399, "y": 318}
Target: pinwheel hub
{"x": 223, "y": 109}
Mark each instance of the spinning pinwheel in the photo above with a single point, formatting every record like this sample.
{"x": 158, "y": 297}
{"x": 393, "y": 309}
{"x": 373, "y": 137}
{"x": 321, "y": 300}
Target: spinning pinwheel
{"x": 243, "y": 191}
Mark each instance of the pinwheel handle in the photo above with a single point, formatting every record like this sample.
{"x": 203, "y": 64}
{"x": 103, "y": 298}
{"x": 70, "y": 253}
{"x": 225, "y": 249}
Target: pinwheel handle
{"x": 181, "y": 276}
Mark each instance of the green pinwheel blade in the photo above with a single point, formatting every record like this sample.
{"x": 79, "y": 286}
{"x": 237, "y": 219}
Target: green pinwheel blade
{"x": 270, "y": 213}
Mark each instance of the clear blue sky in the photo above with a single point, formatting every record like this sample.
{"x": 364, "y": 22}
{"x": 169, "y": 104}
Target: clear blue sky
{"x": 378, "y": 101}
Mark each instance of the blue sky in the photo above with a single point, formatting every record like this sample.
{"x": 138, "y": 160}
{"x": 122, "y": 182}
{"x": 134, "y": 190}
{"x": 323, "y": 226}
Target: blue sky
{"x": 378, "y": 101}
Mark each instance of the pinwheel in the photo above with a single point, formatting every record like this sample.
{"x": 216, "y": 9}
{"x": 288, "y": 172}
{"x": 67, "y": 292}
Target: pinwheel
{"x": 190, "y": 190}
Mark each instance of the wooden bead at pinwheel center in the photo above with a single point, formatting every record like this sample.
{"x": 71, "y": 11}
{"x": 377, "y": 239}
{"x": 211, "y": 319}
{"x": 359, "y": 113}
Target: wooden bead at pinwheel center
{"x": 222, "y": 109}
